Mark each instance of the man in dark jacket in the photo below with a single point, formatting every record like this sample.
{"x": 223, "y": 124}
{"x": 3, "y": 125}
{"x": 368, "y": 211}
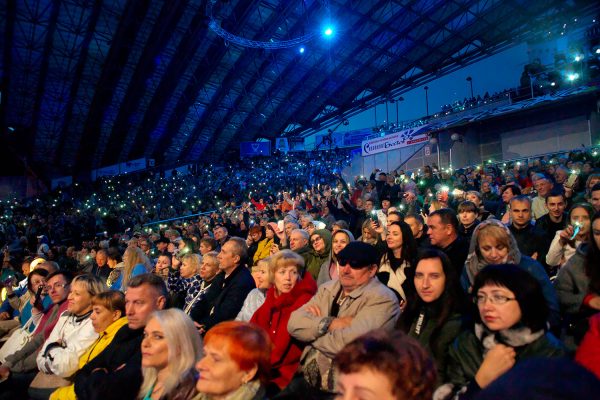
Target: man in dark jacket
{"x": 116, "y": 373}
{"x": 443, "y": 234}
{"x": 547, "y": 226}
{"x": 529, "y": 242}
{"x": 227, "y": 293}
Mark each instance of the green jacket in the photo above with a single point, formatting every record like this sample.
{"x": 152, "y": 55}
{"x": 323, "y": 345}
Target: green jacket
{"x": 440, "y": 349}
{"x": 466, "y": 355}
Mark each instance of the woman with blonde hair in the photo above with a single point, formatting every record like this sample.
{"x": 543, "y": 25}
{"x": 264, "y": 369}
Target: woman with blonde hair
{"x": 170, "y": 349}
{"x": 369, "y": 235}
{"x": 261, "y": 273}
{"x": 108, "y": 317}
{"x": 288, "y": 292}
{"x": 184, "y": 282}
{"x": 135, "y": 262}
{"x": 72, "y": 335}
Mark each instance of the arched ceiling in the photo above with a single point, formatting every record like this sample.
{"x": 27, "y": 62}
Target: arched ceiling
{"x": 88, "y": 83}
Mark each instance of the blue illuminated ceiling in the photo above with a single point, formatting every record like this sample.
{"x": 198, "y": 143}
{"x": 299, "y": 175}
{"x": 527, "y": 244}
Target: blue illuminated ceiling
{"x": 88, "y": 83}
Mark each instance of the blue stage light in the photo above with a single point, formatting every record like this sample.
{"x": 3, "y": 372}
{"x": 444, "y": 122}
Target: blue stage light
{"x": 328, "y": 31}
{"x": 301, "y": 50}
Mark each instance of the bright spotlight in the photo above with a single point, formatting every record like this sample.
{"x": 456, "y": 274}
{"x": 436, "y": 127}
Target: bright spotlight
{"x": 572, "y": 77}
{"x": 328, "y": 31}
{"x": 577, "y": 58}
{"x": 598, "y": 50}
{"x": 553, "y": 84}
{"x": 301, "y": 50}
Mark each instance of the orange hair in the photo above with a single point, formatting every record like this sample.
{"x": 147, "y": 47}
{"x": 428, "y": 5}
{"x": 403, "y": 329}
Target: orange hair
{"x": 247, "y": 344}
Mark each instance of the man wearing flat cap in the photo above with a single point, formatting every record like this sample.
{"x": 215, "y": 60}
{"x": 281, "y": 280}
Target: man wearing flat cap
{"x": 342, "y": 310}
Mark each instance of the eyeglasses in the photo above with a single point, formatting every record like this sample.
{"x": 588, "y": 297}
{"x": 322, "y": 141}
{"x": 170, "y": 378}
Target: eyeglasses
{"x": 496, "y": 299}
{"x": 342, "y": 262}
{"x": 57, "y": 286}
{"x": 313, "y": 241}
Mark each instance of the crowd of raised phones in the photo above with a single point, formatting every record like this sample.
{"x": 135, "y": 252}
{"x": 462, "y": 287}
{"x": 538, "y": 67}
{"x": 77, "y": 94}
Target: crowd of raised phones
{"x": 477, "y": 283}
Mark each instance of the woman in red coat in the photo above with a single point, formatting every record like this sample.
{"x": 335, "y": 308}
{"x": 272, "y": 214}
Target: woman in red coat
{"x": 288, "y": 293}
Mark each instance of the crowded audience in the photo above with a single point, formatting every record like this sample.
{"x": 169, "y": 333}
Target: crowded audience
{"x": 300, "y": 282}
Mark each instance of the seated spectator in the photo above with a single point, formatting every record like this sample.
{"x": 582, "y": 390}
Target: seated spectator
{"x": 566, "y": 241}
{"x": 21, "y": 366}
{"x": 170, "y": 350}
{"x": 32, "y": 304}
{"x": 339, "y": 224}
{"x": 523, "y": 229}
{"x": 510, "y": 326}
{"x": 369, "y": 235}
{"x": 476, "y": 198}
{"x": 161, "y": 245}
{"x": 108, "y": 317}
{"x": 433, "y": 315}
{"x": 115, "y": 261}
{"x": 135, "y": 263}
{"x": 384, "y": 365}
{"x": 300, "y": 243}
{"x": 184, "y": 283}
{"x": 418, "y": 229}
{"x": 506, "y": 194}
{"x": 229, "y": 289}
{"x": 578, "y": 285}
{"x": 396, "y": 268}
{"x": 543, "y": 185}
{"x": 208, "y": 271}
{"x": 289, "y": 291}
{"x": 208, "y": 244}
{"x": 492, "y": 243}
{"x": 259, "y": 246}
{"x": 468, "y": 214}
{"x": 163, "y": 266}
{"x": 320, "y": 241}
{"x": 272, "y": 231}
{"x": 329, "y": 268}
{"x": 595, "y": 197}
{"x": 341, "y": 310}
{"x": 100, "y": 267}
{"x": 261, "y": 274}
{"x": 443, "y": 234}
{"x": 547, "y": 226}
{"x": 236, "y": 362}
{"x": 115, "y": 373}
{"x": 70, "y": 338}
{"x": 487, "y": 192}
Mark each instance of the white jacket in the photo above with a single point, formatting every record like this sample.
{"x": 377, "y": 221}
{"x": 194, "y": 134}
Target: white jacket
{"x": 76, "y": 335}
{"x": 558, "y": 255}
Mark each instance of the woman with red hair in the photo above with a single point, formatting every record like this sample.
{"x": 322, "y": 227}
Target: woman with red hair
{"x": 236, "y": 362}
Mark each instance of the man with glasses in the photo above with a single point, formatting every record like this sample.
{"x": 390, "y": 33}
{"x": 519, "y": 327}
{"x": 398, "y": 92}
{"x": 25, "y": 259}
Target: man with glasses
{"x": 21, "y": 367}
{"x": 342, "y": 310}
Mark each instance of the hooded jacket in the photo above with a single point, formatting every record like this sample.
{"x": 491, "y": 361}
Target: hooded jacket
{"x": 325, "y": 271}
{"x": 572, "y": 283}
{"x": 313, "y": 264}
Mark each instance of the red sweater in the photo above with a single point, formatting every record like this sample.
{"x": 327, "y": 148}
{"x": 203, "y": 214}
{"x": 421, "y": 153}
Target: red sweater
{"x": 588, "y": 353}
{"x": 273, "y": 316}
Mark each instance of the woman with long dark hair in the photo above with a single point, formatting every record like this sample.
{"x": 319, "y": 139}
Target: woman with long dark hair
{"x": 396, "y": 269}
{"x": 433, "y": 314}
